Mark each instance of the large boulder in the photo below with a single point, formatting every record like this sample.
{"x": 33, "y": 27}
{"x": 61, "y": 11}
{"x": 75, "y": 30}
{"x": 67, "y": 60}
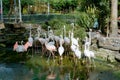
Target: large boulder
{"x": 109, "y": 43}
{"x": 117, "y": 57}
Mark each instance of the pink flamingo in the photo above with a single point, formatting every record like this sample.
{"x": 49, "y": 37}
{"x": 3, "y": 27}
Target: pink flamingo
{"x": 51, "y": 48}
{"x": 27, "y": 44}
{"x": 42, "y": 41}
{"x": 15, "y": 46}
{"x": 21, "y": 48}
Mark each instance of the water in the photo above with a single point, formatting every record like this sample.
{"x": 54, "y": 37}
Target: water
{"x": 14, "y": 71}
{"x": 13, "y": 67}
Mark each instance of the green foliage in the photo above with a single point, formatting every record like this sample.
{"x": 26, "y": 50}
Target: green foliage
{"x": 84, "y": 20}
{"x": 64, "y": 5}
{"x": 57, "y": 23}
{"x": 6, "y": 4}
{"x": 101, "y": 9}
{"x": 26, "y": 2}
{"x": 80, "y": 33}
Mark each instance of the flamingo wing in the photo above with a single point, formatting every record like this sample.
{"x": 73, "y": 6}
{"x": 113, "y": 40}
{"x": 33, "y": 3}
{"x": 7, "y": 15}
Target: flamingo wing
{"x": 78, "y": 53}
{"x": 15, "y": 46}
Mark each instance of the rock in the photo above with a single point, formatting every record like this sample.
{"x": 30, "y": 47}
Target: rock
{"x": 2, "y": 26}
{"x": 117, "y": 57}
{"x": 110, "y": 43}
{"x": 105, "y": 54}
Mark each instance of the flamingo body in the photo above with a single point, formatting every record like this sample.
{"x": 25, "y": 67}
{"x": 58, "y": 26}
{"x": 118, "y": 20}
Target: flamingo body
{"x": 30, "y": 40}
{"x": 50, "y": 47}
{"x": 61, "y": 50}
{"x": 73, "y": 47}
{"x": 20, "y": 48}
{"x": 78, "y": 53}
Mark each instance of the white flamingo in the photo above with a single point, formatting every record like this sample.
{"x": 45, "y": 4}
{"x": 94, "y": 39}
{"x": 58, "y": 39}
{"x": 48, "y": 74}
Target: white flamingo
{"x": 50, "y": 33}
{"x": 78, "y": 53}
{"x": 61, "y": 49}
{"x": 89, "y": 54}
{"x": 66, "y": 41}
{"x": 30, "y": 39}
{"x": 88, "y": 40}
{"x": 73, "y": 40}
{"x": 73, "y": 25}
{"x": 73, "y": 48}
{"x": 38, "y": 33}
{"x": 57, "y": 38}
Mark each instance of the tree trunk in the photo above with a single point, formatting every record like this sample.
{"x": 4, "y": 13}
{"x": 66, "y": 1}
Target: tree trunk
{"x": 114, "y": 14}
{"x": 11, "y": 7}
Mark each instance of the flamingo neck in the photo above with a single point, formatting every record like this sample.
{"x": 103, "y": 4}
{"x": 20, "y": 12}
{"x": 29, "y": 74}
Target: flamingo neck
{"x": 90, "y": 37}
{"x": 69, "y": 34}
{"x": 64, "y": 31}
{"x": 21, "y": 42}
{"x": 38, "y": 33}
{"x": 72, "y": 35}
{"x": 30, "y": 31}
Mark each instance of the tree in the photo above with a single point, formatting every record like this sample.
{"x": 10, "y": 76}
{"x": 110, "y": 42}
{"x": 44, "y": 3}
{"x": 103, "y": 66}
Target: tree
{"x": 9, "y": 5}
{"x": 65, "y": 6}
{"x": 25, "y": 3}
{"x": 114, "y": 14}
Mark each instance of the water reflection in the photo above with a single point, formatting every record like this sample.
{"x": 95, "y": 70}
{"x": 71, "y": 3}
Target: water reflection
{"x": 14, "y": 71}
{"x": 39, "y": 69}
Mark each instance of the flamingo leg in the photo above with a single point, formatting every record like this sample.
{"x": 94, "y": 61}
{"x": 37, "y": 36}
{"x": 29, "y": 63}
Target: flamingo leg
{"x": 61, "y": 57}
{"x": 93, "y": 63}
{"x": 42, "y": 50}
{"x": 53, "y": 56}
{"x": 49, "y": 57}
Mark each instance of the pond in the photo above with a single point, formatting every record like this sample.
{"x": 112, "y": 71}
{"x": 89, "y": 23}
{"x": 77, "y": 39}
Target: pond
{"x": 13, "y": 66}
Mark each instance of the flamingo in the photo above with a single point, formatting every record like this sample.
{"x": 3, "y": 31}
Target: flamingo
{"x": 30, "y": 39}
{"x": 78, "y": 53}
{"x": 38, "y": 33}
{"x": 57, "y": 38}
{"x": 19, "y": 48}
{"x": 89, "y": 54}
{"x": 66, "y": 41}
{"x": 72, "y": 24}
{"x": 27, "y": 45}
{"x": 42, "y": 41}
{"x": 15, "y": 46}
{"x": 51, "y": 48}
{"x": 88, "y": 40}
{"x": 61, "y": 49}
{"x": 73, "y": 48}
{"x": 74, "y": 41}
{"x": 50, "y": 33}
